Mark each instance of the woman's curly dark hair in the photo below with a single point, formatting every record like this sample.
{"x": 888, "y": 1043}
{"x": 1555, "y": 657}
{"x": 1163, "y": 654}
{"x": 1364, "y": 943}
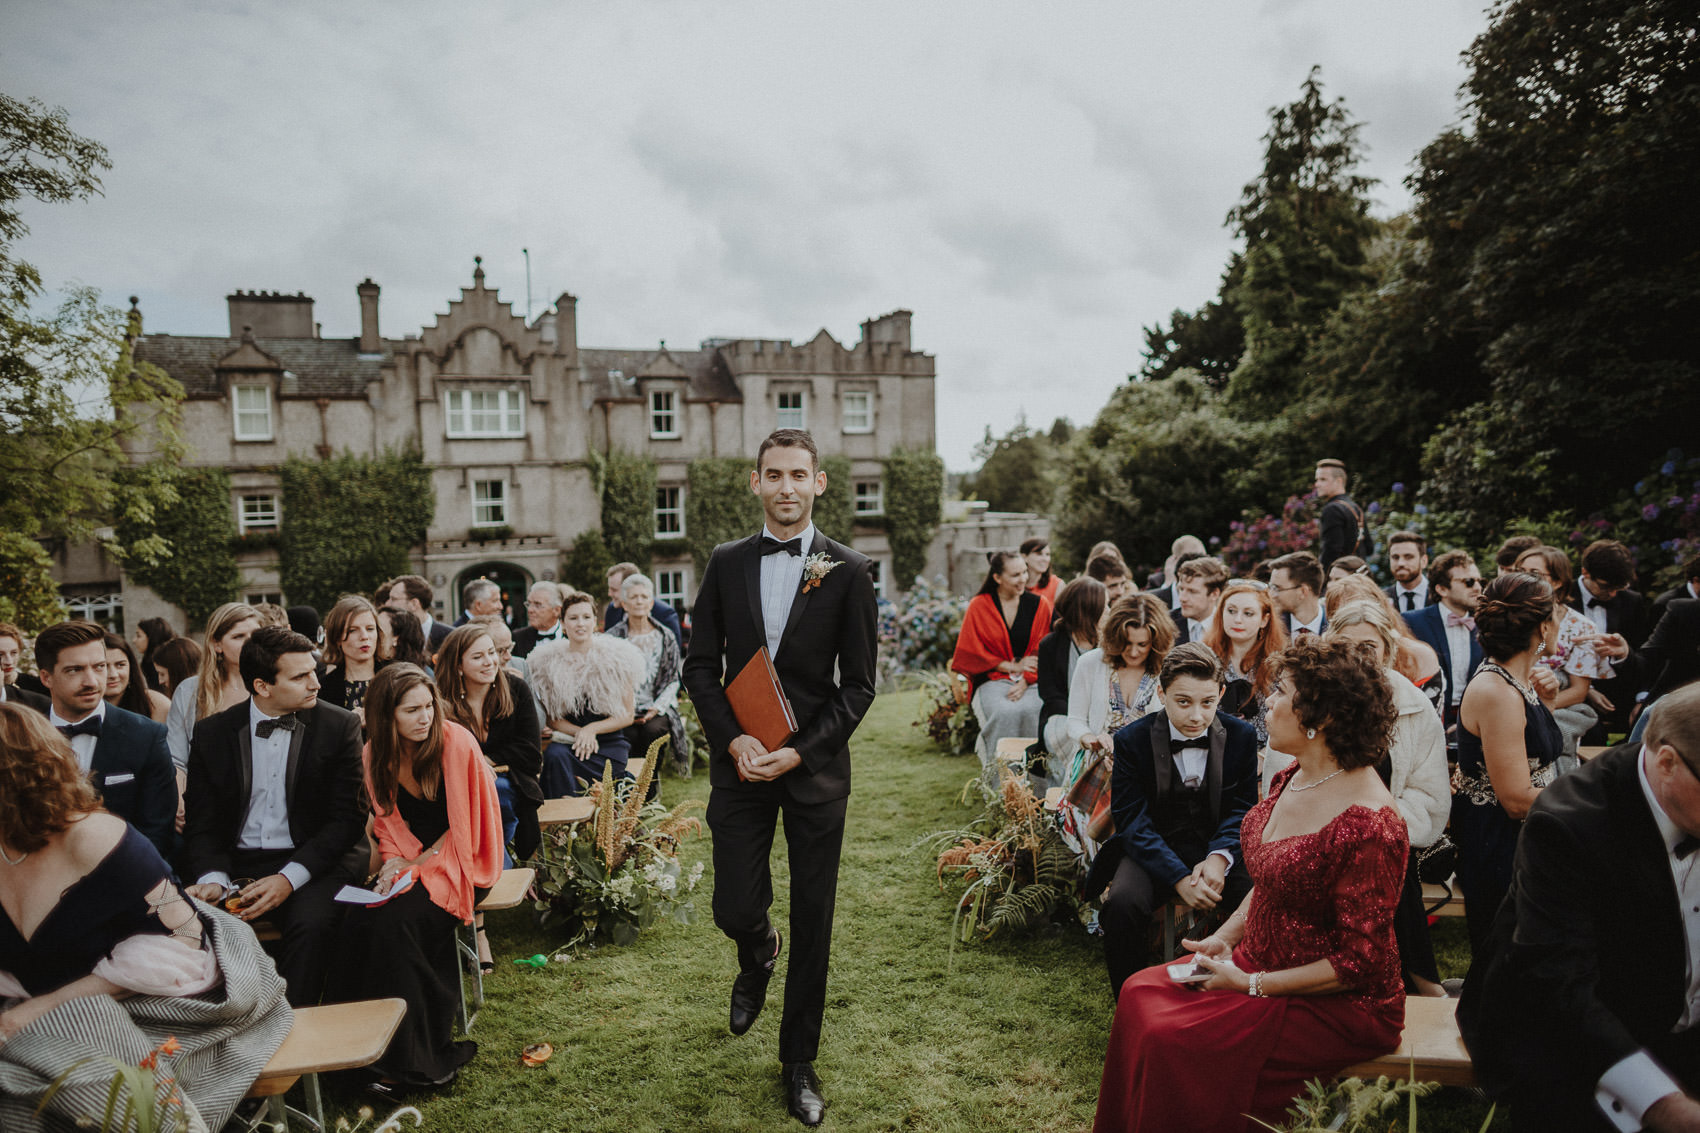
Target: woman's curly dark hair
{"x": 1511, "y": 612}
{"x": 1337, "y": 688}
{"x": 41, "y": 790}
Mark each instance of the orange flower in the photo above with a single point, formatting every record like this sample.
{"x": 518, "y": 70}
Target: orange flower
{"x": 170, "y": 1045}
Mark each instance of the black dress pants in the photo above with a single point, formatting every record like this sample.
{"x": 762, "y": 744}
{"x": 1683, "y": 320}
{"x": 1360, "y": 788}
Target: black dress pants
{"x": 742, "y": 820}
{"x": 1126, "y": 914}
{"x": 308, "y": 922}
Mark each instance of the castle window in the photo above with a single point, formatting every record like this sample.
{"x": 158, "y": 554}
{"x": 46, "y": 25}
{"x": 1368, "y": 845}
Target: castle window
{"x": 663, "y": 414}
{"x": 791, "y": 413}
{"x": 870, "y": 498}
{"x": 485, "y": 412}
{"x": 489, "y": 503}
{"x": 253, "y": 408}
{"x": 258, "y": 513}
{"x": 670, "y": 512}
{"x": 858, "y": 411}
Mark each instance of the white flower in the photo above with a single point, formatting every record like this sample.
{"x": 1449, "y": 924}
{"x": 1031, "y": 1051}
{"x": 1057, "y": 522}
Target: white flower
{"x": 815, "y": 568}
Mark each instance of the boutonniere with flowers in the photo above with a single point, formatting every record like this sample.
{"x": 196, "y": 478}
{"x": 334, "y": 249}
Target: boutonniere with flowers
{"x": 816, "y": 567}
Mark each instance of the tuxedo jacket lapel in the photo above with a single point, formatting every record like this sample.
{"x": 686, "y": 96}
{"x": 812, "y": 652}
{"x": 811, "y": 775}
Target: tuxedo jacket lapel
{"x": 244, "y": 768}
{"x": 1162, "y": 759}
{"x": 297, "y": 741}
{"x": 752, "y": 587}
{"x": 1213, "y": 769}
{"x": 801, "y": 598}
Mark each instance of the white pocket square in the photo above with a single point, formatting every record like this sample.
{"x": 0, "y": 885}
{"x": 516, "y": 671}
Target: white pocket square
{"x": 121, "y": 777}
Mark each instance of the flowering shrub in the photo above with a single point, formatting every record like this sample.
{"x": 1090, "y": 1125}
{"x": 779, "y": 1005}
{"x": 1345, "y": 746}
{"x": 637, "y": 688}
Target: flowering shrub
{"x": 1257, "y": 537}
{"x": 919, "y": 631}
{"x": 948, "y": 722}
{"x": 1659, "y": 520}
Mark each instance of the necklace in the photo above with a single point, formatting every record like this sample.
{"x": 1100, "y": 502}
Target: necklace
{"x": 1315, "y": 785}
{"x": 19, "y": 860}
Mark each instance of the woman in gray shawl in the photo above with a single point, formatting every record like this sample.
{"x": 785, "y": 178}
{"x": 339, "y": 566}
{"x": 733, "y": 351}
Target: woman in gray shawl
{"x": 658, "y": 693}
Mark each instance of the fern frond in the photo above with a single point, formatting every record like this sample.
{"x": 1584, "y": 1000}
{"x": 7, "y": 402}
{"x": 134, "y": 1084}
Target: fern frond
{"x": 1023, "y": 909}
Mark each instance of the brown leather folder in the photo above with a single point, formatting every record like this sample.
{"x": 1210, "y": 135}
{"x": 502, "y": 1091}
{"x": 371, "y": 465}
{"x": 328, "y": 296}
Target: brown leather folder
{"x": 760, "y": 704}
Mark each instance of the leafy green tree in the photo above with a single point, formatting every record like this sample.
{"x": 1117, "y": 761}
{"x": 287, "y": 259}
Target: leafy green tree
{"x": 200, "y": 573}
{"x": 835, "y": 509}
{"x": 1306, "y": 226}
{"x": 719, "y": 506}
{"x": 628, "y": 506}
{"x": 1563, "y": 238}
{"x": 914, "y": 506}
{"x": 1210, "y": 340}
{"x": 351, "y": 522}
{"x": 1161, "y": 459}
{"x": 587, "y": 564}
{"x": 1021, "y": 470}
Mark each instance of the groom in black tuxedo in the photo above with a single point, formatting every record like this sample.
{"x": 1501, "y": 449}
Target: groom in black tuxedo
{"x": 1582, "y": 1011}
{"x": 810, "y": 601}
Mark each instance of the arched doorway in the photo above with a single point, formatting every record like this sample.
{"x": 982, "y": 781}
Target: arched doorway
{"x": 514, "y": 581}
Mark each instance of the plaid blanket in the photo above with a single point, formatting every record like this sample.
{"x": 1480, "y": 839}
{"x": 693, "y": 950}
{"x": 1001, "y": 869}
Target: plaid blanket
{"x": 225, "y": 1038}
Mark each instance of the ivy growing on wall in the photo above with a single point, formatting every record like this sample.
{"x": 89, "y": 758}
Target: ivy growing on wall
{"x": 197, "y": 572}
{"x": 719, "y": 505}
{"x": 350, "y": 522}
{"x": 585, "y": 567}
{"x": 914, "y": 494}
{"x": 835, "y": 508}
{"x": 628, "y": 507}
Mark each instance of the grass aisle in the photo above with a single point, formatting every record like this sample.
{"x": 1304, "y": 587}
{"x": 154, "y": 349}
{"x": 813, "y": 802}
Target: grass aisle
{"x": 1012, "y": 1039}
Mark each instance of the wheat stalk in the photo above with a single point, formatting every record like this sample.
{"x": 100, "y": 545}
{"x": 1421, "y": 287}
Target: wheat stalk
{"x": 631, "y": 812}
{"x": 605, "y": 816}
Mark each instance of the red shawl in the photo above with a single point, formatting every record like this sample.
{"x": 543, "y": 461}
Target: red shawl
{"x": 472, "y": 855}
{"x": 984, "y": 640}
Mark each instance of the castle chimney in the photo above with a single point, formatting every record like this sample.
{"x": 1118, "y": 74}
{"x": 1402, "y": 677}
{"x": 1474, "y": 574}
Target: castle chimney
{"x": 370, "y": 343}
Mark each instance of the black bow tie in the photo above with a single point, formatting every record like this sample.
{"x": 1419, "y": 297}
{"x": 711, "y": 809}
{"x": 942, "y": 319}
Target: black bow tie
{"x": 1685, "y": 847}
{"x": 1202, "y": 743}
{"x": 288, "y": 722}
{"x": 88, "y": 726}
{"x": 772, "y": 546}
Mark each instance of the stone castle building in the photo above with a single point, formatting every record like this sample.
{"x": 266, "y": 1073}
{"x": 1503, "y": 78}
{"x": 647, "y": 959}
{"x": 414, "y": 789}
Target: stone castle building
{"x": 508, "y": 414}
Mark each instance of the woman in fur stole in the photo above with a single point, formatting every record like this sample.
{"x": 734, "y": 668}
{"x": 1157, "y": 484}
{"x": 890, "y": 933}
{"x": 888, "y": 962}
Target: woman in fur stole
{"x": 587, "y": 688}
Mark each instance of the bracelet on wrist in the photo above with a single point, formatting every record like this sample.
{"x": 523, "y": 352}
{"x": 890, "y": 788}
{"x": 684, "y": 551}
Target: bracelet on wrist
{"x": 1256, "y": 987}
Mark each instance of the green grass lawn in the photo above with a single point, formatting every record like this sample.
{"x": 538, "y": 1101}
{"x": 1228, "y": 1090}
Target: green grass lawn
{"x": 1010, "y": 1038}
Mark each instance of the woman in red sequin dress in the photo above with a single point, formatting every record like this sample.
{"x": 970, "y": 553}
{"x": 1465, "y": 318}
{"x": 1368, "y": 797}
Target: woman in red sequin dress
{"x": 1305, "y": 975}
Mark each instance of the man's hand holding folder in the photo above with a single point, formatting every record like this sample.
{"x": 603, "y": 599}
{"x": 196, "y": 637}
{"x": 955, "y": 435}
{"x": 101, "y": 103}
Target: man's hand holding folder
{"x": 764, "y": 712}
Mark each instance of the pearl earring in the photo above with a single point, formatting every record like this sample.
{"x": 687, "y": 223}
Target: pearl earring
{"x": 1310, "y": 733}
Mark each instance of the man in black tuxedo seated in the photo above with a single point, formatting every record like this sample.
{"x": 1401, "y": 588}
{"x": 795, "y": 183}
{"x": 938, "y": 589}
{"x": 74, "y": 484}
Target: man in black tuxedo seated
{"x": 1582, "y": 1010}
{"x": 276, "y": 793}
{"x": 1184, "y": 778}
{"x": 1604, "y": 597}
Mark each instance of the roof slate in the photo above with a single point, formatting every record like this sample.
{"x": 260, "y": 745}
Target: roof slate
{"x": 323, "y": 367}
{"x": 709, "y": 379}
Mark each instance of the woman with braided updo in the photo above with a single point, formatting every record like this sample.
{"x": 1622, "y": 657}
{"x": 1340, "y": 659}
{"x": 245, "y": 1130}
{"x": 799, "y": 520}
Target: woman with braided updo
{"x": 1508, "y": 743}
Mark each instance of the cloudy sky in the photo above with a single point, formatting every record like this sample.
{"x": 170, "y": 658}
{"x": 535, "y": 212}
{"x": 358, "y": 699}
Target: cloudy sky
{"x": 1036, "y": 182}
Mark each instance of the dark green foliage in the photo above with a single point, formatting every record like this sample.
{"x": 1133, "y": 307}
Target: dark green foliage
{"x": 914, "y": 505}
{"x": 835, "y": 508}
{"x": 1026, "y": 908}
{"x": 586, "y": 565}
{"x": 719, "y": 506}
{"x": 351, "y": 522}
{"x": 198, "y": 573}
{"x": 41, "y": 158}
{"x": 1564, "y": 241}
{"x": 628, "y": 506}
{"x": 28, "y": 596}
{"x": 1021, "y": 470}
{"x": 1210, "y": 340}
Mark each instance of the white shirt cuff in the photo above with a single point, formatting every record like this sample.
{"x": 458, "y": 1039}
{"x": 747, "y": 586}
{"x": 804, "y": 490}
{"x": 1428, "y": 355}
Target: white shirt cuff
{"x": 1225, "y": 855}
{"x": 1630, "y": 1087}
{"x": 215, "y": 877}
{"x": 297, "y": 874}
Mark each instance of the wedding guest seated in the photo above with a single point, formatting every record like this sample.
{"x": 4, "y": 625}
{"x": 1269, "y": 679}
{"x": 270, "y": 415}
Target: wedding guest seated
{"x": 1508, "y": 743}
{"x": 1116, "y": 683}
{"x": 1415, "y": 773}
{"x": 1690, "y": 587}
{"x": 1198, "y": 584}
{"x": 1074, "y": 632}
{"x": 543, "y": 618}
{"x": 997, "y": 649}
{"x": 587, "y": 689}
{"x": 350, "y": 654}
{"x": 1183, "y": 780}
{"x": 1449, "y": 628}
{"x": 150, "y": 634}
{"x": 217, "y": 683}
{"x": 439, "y": 826}
{"x": 124, "y": 755}
{"x": 1244, "y": 633}
{"x": 1184, "y": 547}
{"x": 1414, "y": 660}
{"x": 412, "y": 593}
{"x": 11, "y": 649}
{"x": 1040, "y": 579}
{"x": 304, "y": 620}
{"x": 660, "y": 612}
{"x": 272, "y": 614}
{"x": 274, "y": 796}
{"x": 400, "y": 638}
{"x": 1565, "y": 675}
{"x": 1295, "y": 583}
{"x": 102, "y": 956}
{"x": 176, "y": 661}
{"x": 1345, "y": 567}
{"x": 1579, "y": 1011}
{"x": 479, "y": 598}
{"x": 124, "y": 684}
{"x": 1110, "y": 570}
{"x": 1667, "y": 660}
{"x": 1604, "y": 597}
{"x": 496, "y": 707}
{"x": 1304, "y": 976}
{"x": 657, "y": 705}
{"x": 1511, "y": 550}
{"x": 1407, "y": 561}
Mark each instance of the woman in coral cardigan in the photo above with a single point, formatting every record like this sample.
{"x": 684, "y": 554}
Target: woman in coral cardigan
{"x": 998, "y": 651}
{"x": 437, "y": 819}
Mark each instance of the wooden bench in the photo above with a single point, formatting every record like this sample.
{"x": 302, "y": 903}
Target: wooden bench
{"x": 337, "y": 1036}
{"x": 1586, "y": 753}
{"x": 1430, "y": 1047}
{"x": 1053, "y": 799}
{"x": 567, "y": 809}
{"x": 1451, "y": 903}
{"x": 1013, "y": 750}
{"x": 509, "y": 891}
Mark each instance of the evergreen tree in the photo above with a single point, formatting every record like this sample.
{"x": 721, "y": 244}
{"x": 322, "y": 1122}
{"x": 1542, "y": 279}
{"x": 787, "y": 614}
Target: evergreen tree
{"x": 1209, "y": 341}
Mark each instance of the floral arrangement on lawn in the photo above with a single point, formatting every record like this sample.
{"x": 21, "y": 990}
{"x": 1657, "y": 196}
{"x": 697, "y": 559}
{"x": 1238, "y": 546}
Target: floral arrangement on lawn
{"x": 1353, "y": 1105}
{"x": 1015, "y": 868}
{"x": 619, "y": 873}
{"x": 946, "y": 716}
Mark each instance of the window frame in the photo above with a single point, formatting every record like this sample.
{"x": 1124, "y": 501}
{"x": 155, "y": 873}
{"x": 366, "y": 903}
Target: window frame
{"x": 867, "y": 411}
{"x": 876, "y": 574}
{"x": 674, "y": 417}
{"x": 245, "y": 524}
{"x": 500, "y": 501}
{"x": 663, "y": 593}
{"x": 460, "y": 416}
{"x": 857, "y": 498}
{"x": 801, "y": 409}
{"x": 675, "y": 508}
{"x": 237, "y": 411}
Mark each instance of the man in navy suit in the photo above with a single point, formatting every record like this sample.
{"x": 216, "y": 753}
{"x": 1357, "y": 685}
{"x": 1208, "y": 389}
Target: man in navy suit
{"x": 1184, "y": 779}
{"x": 124, "y": 755}
{"x": 1198, "y": 584}
{"x": 413, "y": 594}
{"x": 1449, "y": 628}
{"x": 1295, "y": 587}
{"x": 1407, "y": 559}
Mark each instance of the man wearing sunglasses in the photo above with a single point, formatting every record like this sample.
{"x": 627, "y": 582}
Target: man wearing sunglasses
{"x": 1582, "y": 1010}
{"x": 1449, "y": 628}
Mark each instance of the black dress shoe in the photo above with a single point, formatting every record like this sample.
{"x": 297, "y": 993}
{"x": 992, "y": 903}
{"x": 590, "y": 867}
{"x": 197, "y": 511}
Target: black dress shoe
{"x": 802, "y": 1092}
{"x": 749, "y": 990}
